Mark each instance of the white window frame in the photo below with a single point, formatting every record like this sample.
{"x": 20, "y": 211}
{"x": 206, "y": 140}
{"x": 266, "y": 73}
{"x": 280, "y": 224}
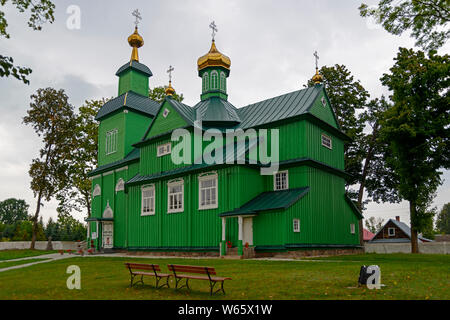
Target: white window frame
{"x": 352, "y": 228}
{"x": 97, "y": 191}
{"x": 275, "y": 188}
{"x": 167, "y": 149}
{"x": 296, "y": 225}
{"x": 120, "y": 186}
{"x": 215, "y": 74}
{"x": 324, "y": 144}
{"x": 223, "y": 81}
{"x": 166, "y": 112}
{"x": 171, "y": 184}
{"x": 151, "y": 211}
{"x": 205, "y": 82}
{"x": 216, "y": 192}
{"x": 324, "y": 101}
{"x": 111, "y": 141}
{"x": 389, "y": 232}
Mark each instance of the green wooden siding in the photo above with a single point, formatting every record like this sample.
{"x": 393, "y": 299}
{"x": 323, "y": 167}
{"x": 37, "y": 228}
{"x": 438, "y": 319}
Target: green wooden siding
{"x": 115, "y": 121}
{"x": 133, "y": 80}
{"x": 322, "y": 112}
{"x": 163, "y": 124}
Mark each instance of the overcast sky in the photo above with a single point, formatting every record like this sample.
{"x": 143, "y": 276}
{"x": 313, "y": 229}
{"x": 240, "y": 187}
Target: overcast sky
{"x": 270, "y": 43}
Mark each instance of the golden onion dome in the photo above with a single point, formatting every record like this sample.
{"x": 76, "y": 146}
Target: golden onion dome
{"x": 135, "y": 41}
{"x": 318, "y": 78}
{"x": 170, "y": 90}
{"x": 214, "y": 59}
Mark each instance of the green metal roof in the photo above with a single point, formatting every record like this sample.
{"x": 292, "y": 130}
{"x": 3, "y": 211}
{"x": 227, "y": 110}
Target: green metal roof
{"x": 270, "y": 200}
{"x": 183, "y": 109}
{"x": 279, "y": 108}
{"x": 216, "y": 111}
{"x": 134, "y": 65}
{"x": 129, "y": 100}
{"x": 132, "y": 156}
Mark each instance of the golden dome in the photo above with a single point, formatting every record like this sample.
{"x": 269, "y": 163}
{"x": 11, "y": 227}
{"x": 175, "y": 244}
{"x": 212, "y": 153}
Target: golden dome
{"x": 318, "y": 78}
{"x": 169, "y": 90}
{"x": 135, "y": 41}
{"x": 214, "y": 59}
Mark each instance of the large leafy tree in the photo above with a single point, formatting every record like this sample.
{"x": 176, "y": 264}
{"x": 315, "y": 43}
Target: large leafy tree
{"x": 76, "y": 195}
{"x": 13, "y": 210}
{"x": 41, "y": 11}
{"x": 53, "y": 119}
{"x": 159, "y": 93}
{"x": 417, "y": 129}
{"x": 426, "y": 19}
{"x": 443, "y": 219}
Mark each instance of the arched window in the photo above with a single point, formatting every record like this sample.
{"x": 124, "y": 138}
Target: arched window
{"x": 97, "y": 191}
{"x": 214, "y": 80}
{"x": 108, "y": 213}
{"x": 205, "y": 82}
{"x": 223, "y": 82}
{"x": 120, "y": 186}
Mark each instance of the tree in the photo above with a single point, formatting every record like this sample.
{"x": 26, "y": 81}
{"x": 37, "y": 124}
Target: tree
{"x": 159, "y": 93}
{"x": 374, "y": 224}
{"x": 53, "y": 119}
{"x": 426, "y": 19}
{"x": 42, "y": 11}
{"x": 13, "y": 210}
{"x": 417, "y": 129}
{"x": 83, "y": 159}
{"x": 443, "y": 219}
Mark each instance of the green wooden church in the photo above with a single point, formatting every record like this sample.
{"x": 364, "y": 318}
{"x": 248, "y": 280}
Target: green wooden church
{"x": 143, "y": 200}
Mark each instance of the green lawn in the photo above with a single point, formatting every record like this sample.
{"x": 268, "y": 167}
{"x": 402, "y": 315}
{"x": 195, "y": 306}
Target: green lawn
{"x": 7, "y": 264}
{"x": 405, "y": 277}
{"x": 16, "y": 254}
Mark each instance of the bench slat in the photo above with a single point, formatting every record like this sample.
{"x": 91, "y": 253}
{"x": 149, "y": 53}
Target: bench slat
{"x": 192, "y": 269}
{"x": 142, "y": 266}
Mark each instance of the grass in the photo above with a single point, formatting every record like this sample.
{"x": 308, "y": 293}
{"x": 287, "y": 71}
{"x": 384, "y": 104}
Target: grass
{"x": 17, "y": 263}
{"x": 405, "y": 276}
{"x": 16, "y": 254}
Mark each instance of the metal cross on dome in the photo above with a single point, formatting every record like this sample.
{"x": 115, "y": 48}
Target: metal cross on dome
{"x": 137, "y": 15}
{"x": 317, "y": 59}
{"x": 214, "y": 29}
{"x": 170, "y": 72}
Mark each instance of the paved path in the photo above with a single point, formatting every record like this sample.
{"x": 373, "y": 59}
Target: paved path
{"x": 56, "y": 256}
{"x": 50, "y": 257}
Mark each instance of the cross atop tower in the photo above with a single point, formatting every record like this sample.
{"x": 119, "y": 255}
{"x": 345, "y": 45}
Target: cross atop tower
{"x": 169, "y": 71}
{"x": 317, "y": 59}
{"x": 214, "y": 29}
{"x": 138, "y": 17}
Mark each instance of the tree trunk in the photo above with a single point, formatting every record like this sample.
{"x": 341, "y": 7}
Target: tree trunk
{"x": 35, "y": 221}
{"x": 414, "y": 238}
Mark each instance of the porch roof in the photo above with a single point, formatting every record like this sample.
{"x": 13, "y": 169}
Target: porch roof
{"x": 270, "y": 200}
{"x": 98, "y": 219}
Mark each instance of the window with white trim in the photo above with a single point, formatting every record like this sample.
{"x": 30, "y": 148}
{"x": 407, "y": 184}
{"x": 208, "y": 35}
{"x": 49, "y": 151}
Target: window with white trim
{"x": 214, "y": 80}
{"x": 296, "y": 225}
{"x": 324, "y": 101}
{"x": 207, "y": 192}
{"x": 164, "y": 149}
{"x": 326, "y": 141}
{"x": 205, "y": 82}
{"x": 352, "y": 228}
{"x": 175, "y": 201}
{"x": 391, "y": 232}
{"x": 148, "y": 201}
{"x": 281, "y": 181}
{"x": 120, "y": 186}
{"x": 97, "y": 191}
{"x": 166, "y": 113}
{"x": 111, "y": 141}
{"x": 223, "y": 82}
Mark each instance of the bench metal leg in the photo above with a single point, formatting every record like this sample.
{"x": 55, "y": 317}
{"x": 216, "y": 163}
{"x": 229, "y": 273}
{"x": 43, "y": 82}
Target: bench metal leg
{"x": 212, "y": 285}
{"x": 178, "y": 280}
{"x": 164, "y": 284}
{"x": 135, "y": 283}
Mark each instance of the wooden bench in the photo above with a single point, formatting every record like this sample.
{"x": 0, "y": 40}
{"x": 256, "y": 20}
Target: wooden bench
{"x": 179, "y": 274}
{"x": 151, "y": 270}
